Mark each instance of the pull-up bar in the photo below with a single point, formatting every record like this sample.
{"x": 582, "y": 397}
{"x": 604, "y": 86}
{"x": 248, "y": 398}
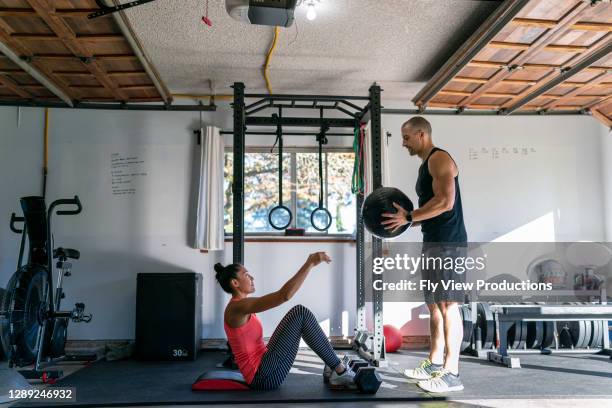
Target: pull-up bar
{"x": 264, "y": 133}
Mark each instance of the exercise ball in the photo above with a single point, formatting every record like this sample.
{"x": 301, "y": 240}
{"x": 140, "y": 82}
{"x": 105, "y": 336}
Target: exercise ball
{"x": 393, "y": 338}
{"x": 381, "y": 201}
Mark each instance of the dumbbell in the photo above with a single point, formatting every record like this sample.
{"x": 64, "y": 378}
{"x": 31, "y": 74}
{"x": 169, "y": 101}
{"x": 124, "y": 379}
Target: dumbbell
{"x": 367, "y": 378}
{"x": 347, "y": 361}
{"x": 353, "y": 364}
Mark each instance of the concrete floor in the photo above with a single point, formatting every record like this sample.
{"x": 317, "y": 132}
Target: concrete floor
{"x": 513, "y": 403}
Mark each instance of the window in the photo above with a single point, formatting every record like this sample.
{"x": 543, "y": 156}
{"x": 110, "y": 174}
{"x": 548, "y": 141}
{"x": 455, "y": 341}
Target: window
{"x": 300, "y": 189}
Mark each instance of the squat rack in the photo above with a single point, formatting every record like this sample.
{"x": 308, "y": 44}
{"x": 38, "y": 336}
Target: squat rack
{"x": 371, "y": 346}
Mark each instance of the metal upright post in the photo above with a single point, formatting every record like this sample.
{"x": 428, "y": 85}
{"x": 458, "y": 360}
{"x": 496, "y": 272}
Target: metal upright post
{"x": 238, "y": 184}
{"x": 377, "y": 295}
{"x": 360, "y": 324}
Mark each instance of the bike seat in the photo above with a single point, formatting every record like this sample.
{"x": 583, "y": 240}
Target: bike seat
{"x": 66, "y": 253}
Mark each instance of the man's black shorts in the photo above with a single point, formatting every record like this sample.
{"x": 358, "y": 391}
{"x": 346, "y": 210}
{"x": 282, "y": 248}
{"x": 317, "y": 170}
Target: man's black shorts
{"x": 439, "y": 260}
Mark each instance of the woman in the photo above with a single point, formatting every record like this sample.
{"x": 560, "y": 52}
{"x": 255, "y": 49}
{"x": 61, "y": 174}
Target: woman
{"x": 265, "y": 367}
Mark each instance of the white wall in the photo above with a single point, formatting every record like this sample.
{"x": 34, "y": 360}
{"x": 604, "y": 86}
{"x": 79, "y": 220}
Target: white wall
{"x": 606, "y": 173}
{"x": 560, "y": 176}
{"x": 120, "y": 236}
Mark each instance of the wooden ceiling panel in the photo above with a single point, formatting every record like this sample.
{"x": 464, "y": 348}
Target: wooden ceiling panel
{"x": 521, "y": 67}
{"x": 45, "y": 47}
{"x": 554, "y": 58}
{"x": 493, "y": 54}
{"x": 449, "y": 99}
{"x": 122, "y": 64}
{"x": 461, "y": 86}
{"x": 595, "y": 15}
{"x": 82, "y": 25}
{"x": 580, "y": 38}
{"x": 14, "y": 4}
{"x": 519, "y": 34}
{"x": 547, "y": 9}
{"x": 585, "y": 76}
{"x": 488, "y": 100}
{"x": 109, "y": 47}
{"x": 509, "y": 88}
{"x": 528, "y": 74}
{"x": 477, "y": 72}
{"x": 27, "y": 25}
{"x": 140, "y": 91}
{"x": 74, "y": 53}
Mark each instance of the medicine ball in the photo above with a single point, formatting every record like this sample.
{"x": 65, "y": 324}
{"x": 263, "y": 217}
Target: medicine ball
{"x": 381, "y": 201}
{"x": 393, "y": 338}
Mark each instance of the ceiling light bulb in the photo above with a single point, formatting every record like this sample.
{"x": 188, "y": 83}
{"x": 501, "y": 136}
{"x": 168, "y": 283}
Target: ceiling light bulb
{"x": 311, "y": 14}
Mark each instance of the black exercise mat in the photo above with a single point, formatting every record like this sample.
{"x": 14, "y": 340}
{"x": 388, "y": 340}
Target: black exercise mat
{"x": 131, "y": 382}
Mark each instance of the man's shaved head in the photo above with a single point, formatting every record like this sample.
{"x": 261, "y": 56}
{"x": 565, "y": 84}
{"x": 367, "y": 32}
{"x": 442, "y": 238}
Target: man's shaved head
{"x": 419, "y": 123}
{"x": 416, "y": 135}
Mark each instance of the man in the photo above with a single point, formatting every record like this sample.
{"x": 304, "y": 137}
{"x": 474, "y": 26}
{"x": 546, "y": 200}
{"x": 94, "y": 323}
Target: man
{"x": 441, "y": 218}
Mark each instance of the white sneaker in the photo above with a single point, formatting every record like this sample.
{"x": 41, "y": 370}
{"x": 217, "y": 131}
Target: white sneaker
{"x": 344, "y": 380}
{"x": 442, "y": 381}
{"x": 423, "y": 371}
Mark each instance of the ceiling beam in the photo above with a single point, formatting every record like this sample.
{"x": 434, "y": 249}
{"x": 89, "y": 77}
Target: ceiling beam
{"x": 13, "y": 50}
{"x": 580, "y": 26}
{"x": 56, "y": 37}
{"x": 485, "y": 33}
{"x": 70, "y": 40}
{"x": 13, "y": 87}
{"x": 101, "y": 57}
{"x": 138, "y": 49}
{"x": 13, "y": 71}
{"x": 592, "y": 26}
{"x": 126, "y": 73}
{"x": 534, "y": 22}
{"x": 136, "y": 87}
{"x": 593, "y": 57}
{"x": 75, "y": 12}
{"x": 74, "y": 73}
{"x": 555, "y": 73}
{"x": 470, "y": 80}
{"x": 548, "y": 37}
{"x": 575, "y": 93}
{"x": 601, "y": 117}
{"x": 599, "y": 104}
{"x": 16, "y": 12}
{"x": 526, "y": 46}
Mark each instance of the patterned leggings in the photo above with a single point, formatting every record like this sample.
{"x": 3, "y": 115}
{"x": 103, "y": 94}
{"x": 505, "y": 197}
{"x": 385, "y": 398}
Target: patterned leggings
{"x": 275, "y": 364}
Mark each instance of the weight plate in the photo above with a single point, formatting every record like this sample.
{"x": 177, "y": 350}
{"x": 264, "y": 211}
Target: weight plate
{"x": 487, "y": 325}
{"x": 598, "y": 329}
{"x": 517, "y": 335}
{"x": 580, "y": 332}
{"x": 535, "y": 335}
{"x": 549, "y": 334}
{"x": 467, "y": 327}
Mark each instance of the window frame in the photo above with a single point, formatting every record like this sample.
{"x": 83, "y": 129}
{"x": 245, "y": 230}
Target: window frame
{"x": 314, "y": 236}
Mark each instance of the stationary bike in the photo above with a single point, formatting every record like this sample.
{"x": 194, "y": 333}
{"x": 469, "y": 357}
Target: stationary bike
{"x": 33, "y": 330}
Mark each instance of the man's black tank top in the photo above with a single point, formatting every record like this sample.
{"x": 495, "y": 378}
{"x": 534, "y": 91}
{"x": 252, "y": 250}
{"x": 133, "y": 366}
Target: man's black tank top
{"x": 448, "y": 226}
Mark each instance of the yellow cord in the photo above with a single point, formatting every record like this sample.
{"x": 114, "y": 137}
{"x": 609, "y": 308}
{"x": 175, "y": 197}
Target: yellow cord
{"x": 269, "y": 58}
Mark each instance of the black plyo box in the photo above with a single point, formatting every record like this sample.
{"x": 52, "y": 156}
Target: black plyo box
{"x": 168, "y": 317}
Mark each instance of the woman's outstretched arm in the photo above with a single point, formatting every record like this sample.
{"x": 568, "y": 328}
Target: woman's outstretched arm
{"x": 259, "y": 304}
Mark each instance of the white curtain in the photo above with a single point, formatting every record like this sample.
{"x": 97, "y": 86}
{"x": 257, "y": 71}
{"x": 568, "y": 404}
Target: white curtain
{"x": 209, "y": 228}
